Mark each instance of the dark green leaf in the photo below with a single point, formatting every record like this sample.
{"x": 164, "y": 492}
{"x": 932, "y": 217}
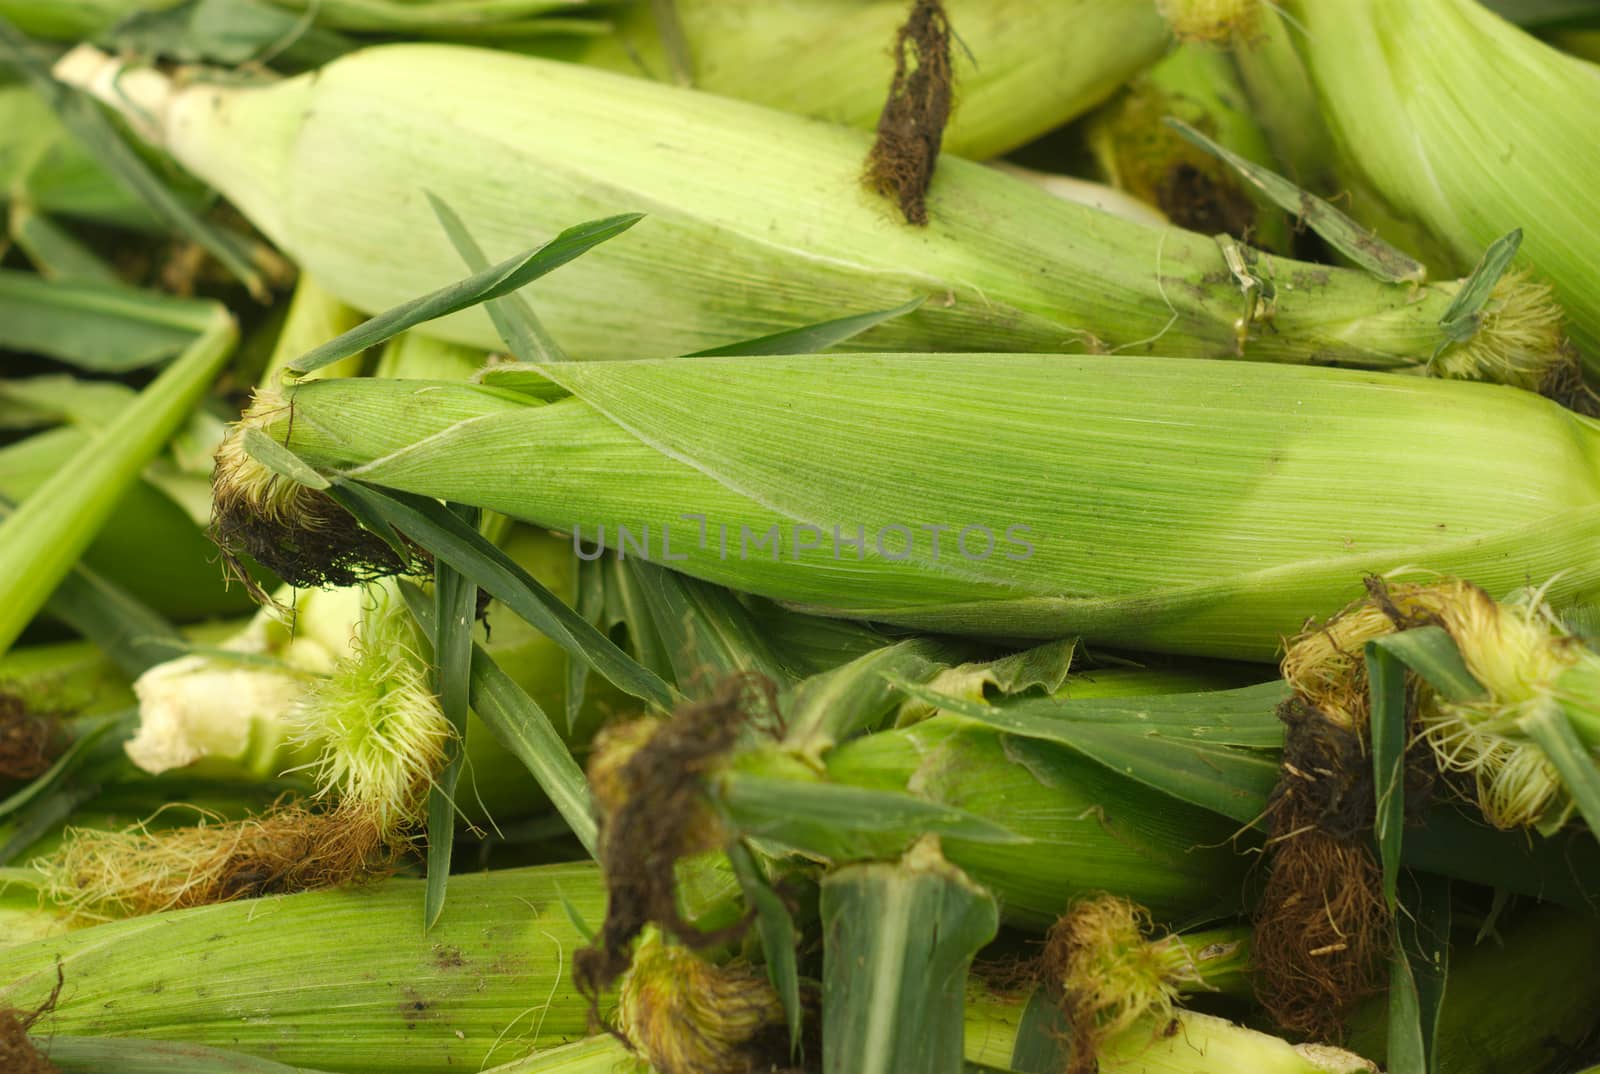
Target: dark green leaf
{"x": 227, "y": 32}
{"x": 513, "y": 318}
{"x": 1548, "y": 14}
{"x": 89, "y": 731}
{"x": 1341, "y": 232}
{"x": 1042, "y": 1037}
{"x": 778, "y": 936}
{"x": 521, "y": 726}
{"x": 591, "y": 605}
{"x": 1407, "y": 1051}
{"x": 898, "y": 942}
{"x": 1460, "y": 320}
{"x": 845, "y": 823}
{"x": 814, "y": 338}
{"x": 447, "y": 537}
{"x": 1432, "y": 654}
{"x": 44, "y": 815}
{"x": 455, "y": 605}
{"x": 497, "y": 280}
{"x": 1386, "y": 686}
{"x": 132, "y": 634}
{"x": 54, "y": 251}
{"x": 1549, "y": 726}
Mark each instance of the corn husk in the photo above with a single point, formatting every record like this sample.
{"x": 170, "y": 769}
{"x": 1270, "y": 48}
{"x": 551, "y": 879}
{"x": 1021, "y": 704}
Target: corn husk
{"x": 1021, "y": 67}
{"x": 1113, "y": 510}
{"x": 1472, "y": 126}
{"x": 757, "y": 222}
{"x": 337, "y": 981}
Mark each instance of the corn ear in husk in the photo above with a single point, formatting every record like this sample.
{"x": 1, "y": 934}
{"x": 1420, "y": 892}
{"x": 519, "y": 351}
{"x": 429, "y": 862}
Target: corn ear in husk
{"x": 757, "y": 222}
{"x": 1021, "y": 67}
{"x": 341, "y": 981}
{"x": 1470, "y": 125}
{"x": 1105, "y": 507}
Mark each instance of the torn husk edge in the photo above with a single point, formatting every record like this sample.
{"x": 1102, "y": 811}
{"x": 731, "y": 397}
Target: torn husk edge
{"x": 299, "y": 533}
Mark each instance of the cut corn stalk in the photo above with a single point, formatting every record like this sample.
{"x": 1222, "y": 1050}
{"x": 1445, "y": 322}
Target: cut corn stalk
{"x": 900, "y": 939}
{"x": 1470, "y": 125}
{"x": 725, "y": 254}
{"x": 480, "y": 988}
{"x": 1158, "y": 540}
{"x": 1022, "y": 67}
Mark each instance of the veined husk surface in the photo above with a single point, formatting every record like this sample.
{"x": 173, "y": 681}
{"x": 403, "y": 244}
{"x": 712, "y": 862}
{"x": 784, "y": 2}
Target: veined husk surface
{"x": 1190, "y": 506}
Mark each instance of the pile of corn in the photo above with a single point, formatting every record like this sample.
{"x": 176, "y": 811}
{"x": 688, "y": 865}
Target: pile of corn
{"x": 849, "y": 536}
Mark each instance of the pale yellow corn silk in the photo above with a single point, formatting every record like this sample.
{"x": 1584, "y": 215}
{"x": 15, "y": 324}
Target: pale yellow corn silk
{"x": 1112, "y": 973}
{"x": 377, "y": 720}
{"x": 689, "y": 1016}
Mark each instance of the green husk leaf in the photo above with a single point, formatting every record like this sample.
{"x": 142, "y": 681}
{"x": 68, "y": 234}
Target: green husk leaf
{"x": 1386, "y": 684}
{"x": 1460, "y": 320}
{"x": 900, "y": 939}
{"x": 779, "y": 937}
{"x": 1549, "y": 726}
{"x": 513, "y": 318}
{"x": 843, "y": 823}
{"x": 705, "y": 629}
{"x": 448, "y": 538}
{"x": 455, "y": 602}
{"x": 1433, "y": 654}
{"x": 493, "y": 282}
{"x": 1228, "y": 779}
{"x": 521, "y": 726}
{"x": 1341, "y": 232}
{"x": 859, "y": 695}
{"x": 814, "y": 338}
{"x": 281, "y": 461}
